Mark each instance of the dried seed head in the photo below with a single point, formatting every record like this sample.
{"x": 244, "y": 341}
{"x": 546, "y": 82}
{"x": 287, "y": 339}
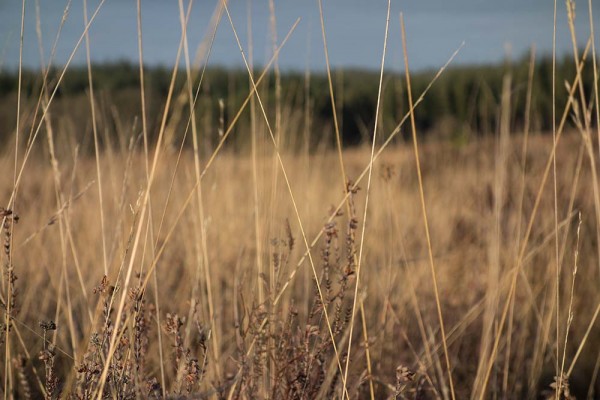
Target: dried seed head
{"x": 404, "y": 374}
{"x": 48, "y": 325}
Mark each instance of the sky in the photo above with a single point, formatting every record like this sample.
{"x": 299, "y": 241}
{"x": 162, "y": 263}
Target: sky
{"x": 491, "y": 30}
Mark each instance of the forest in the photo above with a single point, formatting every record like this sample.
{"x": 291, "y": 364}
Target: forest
{"x": 462, "y": 104}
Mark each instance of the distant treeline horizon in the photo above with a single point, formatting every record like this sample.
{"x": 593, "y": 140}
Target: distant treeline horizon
{"x": 463, "y": 103}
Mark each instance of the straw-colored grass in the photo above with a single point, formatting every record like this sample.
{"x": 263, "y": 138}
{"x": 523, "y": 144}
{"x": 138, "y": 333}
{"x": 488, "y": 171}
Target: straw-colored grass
{"x": 179, "y": 268}
{"x": 396, "y": 285}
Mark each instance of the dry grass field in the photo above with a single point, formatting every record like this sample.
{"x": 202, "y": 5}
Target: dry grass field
{"x": 205, "y": 268}
{"x": 186, "y": 270}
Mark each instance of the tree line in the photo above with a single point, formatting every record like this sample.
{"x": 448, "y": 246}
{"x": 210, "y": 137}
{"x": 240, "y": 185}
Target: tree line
{"x": 464, "y": 102}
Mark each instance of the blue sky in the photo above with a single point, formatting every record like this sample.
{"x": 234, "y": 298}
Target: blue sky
{"x": 354, "y": 28}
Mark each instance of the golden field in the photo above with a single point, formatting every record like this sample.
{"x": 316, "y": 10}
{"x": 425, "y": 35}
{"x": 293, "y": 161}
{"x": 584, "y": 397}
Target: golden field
{"x": 219, "y": 256}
